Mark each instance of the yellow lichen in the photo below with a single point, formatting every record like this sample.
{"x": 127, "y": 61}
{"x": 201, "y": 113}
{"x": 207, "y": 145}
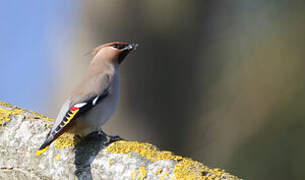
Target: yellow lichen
{"x": 141, "y": 173}
{"x": 13, "y": 110}
{"x": 6, "y": 104}
{"x": 144, "y": 149}
{"x": 159, "y": 170}
{"x": 185, "y": 168}
{"x": 5, "y": 114}
{"x": 110, "y": 162}
{"x": 164, "y": 175}
{"x": 64, "y": 141}
{"x": 133, "y": 174}
{"x": 189, "y": 169}
{"x": 56, "y": 158}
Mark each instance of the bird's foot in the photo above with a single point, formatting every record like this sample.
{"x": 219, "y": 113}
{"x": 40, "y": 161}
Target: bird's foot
{"x": 110, "y": 139}
{"x": 78, "y": 137}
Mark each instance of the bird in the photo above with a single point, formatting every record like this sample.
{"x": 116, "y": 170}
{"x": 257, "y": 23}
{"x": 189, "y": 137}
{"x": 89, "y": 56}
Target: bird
{"x": 93, "y": 102}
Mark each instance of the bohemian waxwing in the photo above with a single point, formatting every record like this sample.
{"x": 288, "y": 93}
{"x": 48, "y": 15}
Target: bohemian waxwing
{"x": 94, "y": 101}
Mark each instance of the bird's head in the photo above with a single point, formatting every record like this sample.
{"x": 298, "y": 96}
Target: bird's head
{"x": 114, "y": 51}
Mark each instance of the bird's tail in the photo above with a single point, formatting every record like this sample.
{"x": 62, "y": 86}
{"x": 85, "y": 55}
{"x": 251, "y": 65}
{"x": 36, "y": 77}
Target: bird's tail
{"x": 45, "y": 146}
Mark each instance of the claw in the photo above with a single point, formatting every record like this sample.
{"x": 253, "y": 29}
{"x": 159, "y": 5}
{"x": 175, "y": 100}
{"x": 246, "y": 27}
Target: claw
{"x": 110, "y": 139}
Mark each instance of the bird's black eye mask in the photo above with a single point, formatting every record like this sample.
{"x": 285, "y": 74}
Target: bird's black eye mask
{"x": 119, "y": 46}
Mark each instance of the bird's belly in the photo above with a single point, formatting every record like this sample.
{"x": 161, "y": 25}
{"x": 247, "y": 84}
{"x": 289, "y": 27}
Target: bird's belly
{"x": 93, "y": 120}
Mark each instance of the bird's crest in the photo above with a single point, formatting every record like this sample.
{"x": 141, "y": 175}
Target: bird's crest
{"x": 97, "y": 49}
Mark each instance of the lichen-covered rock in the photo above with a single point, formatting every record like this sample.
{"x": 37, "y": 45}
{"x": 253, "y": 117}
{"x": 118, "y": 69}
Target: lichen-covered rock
{"x": 22, "y": 132}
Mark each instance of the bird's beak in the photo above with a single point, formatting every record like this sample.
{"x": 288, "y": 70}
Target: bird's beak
{"x": 130, "y": 47}
{"x": 126, "y": 50}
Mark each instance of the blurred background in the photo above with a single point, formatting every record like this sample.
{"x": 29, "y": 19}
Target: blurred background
{"x": 220, "y": 81}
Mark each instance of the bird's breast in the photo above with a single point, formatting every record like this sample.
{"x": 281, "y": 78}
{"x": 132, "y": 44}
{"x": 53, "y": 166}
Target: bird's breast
{"x": 97, "y": 116}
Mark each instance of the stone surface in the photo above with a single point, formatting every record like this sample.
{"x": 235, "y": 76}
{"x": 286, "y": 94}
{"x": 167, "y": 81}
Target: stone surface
{"x": 23, "y": 131}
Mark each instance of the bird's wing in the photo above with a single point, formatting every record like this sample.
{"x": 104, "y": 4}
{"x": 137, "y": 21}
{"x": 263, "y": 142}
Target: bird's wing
{"x": 70, "y": 111}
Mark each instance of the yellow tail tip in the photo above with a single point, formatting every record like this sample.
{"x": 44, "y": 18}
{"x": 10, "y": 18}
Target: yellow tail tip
{"x": 39, "y": 152}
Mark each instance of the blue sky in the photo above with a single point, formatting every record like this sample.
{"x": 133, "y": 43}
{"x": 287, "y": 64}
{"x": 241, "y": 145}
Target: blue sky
{"x": 27, "y": 41}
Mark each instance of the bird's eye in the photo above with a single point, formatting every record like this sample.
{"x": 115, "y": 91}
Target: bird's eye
{"x": 119, "y": 46}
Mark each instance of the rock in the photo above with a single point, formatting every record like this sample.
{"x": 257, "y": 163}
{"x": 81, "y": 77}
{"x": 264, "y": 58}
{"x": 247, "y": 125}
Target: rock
{"x": 22, "y": 132}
